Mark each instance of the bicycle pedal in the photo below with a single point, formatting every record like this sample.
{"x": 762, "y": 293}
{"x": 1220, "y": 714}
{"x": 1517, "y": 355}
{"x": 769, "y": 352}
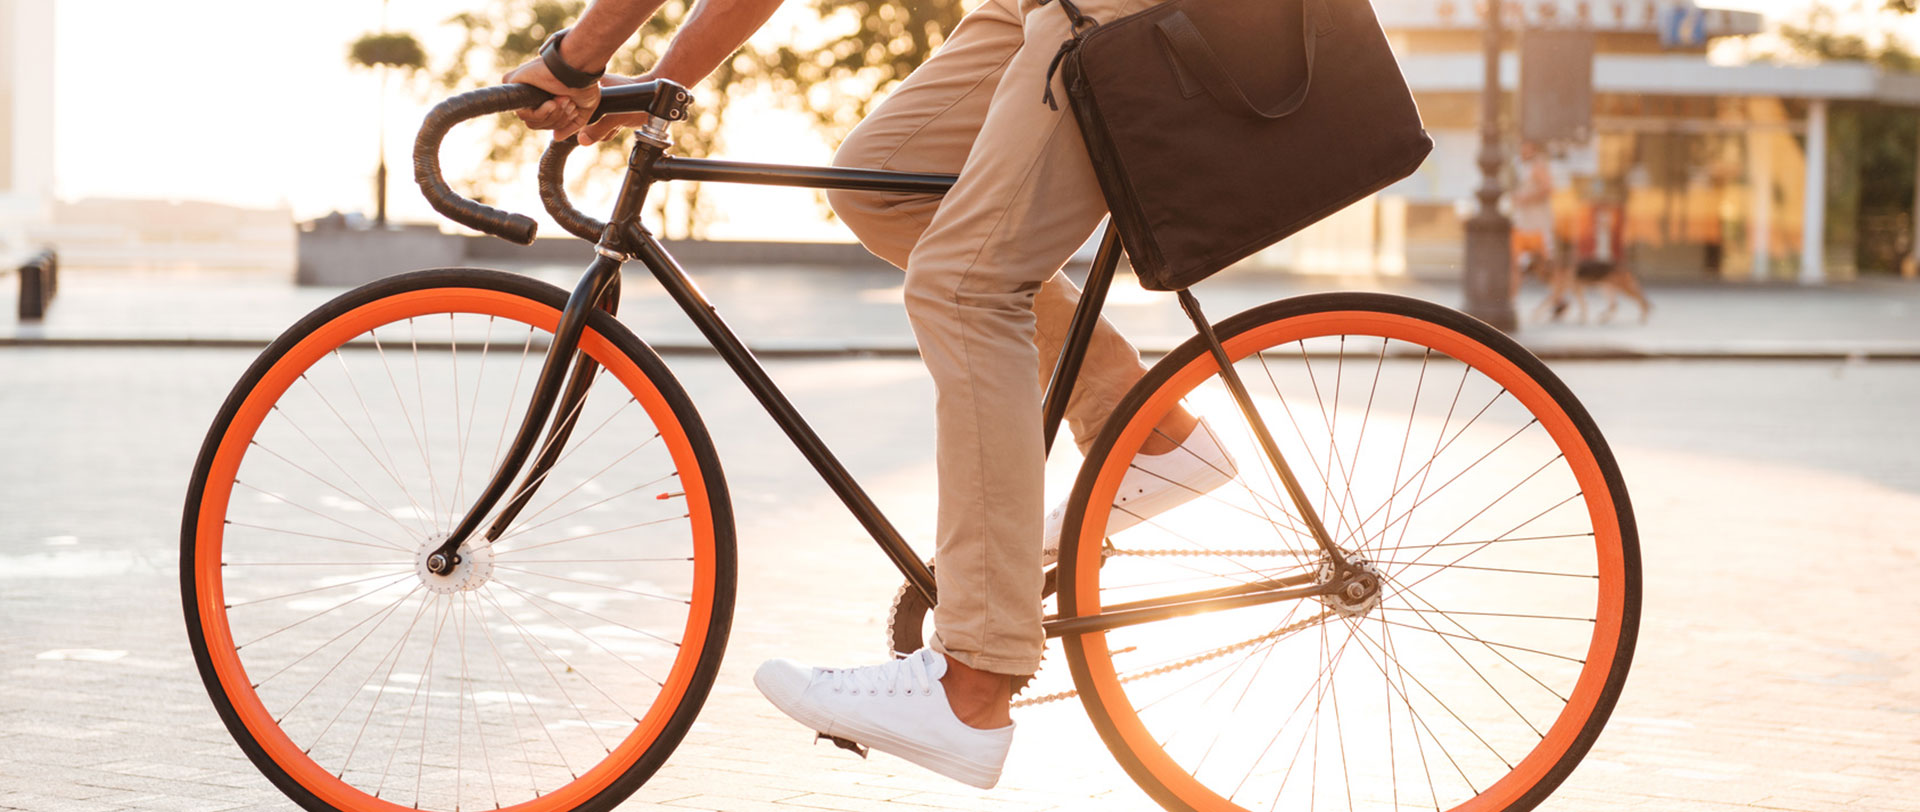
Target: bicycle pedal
{"x": 844, "y": 744}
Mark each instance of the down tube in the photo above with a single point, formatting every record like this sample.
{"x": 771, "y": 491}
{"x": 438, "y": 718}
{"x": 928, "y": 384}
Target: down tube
{"x": 648, "y": 250}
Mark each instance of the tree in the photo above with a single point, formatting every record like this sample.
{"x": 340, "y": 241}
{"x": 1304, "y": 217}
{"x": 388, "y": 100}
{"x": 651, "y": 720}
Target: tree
{"x": 1886, "y": 149}
{"x": 508, "y": 33}
{"x": 873, "y": 45}
{"x": 385, "y": 52}
{"x": 867, "y": 47}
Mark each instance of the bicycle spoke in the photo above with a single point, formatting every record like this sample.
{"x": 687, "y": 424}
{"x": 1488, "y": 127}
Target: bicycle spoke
{"x": 459, "y": 435}
{"x": 528, "y": 640}
{"x": 382, "y": 512}
{"x": 547, "y": 730}
{"x": 385, "y": 680}
{"x": 495, "y": 684}
{"x": 584, "y": 508}
{"x": 399, "y": 732}
{"x": 595, "y": 534}
{"x": 592, "y": 584}
{"x": 343, "y": 633}
{"x": 389, "y": 466}
{"x": 426, "y": 426}
{"x": 400, "y": 401}
{"x": 383, "y": 541}
{"x": 322, "y": 613}
{"x": 391, "y": 609}
{"x": 586, "y": 637}
{"x": 1414, "y": 481}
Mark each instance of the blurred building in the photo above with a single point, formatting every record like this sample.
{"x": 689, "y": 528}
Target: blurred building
{"x": 26, "y": 121}
{"x": 1700, "y": 171}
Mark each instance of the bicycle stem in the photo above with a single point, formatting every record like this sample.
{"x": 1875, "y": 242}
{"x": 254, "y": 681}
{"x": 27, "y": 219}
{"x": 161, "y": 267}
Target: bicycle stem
{"x": 1239, "y": 389}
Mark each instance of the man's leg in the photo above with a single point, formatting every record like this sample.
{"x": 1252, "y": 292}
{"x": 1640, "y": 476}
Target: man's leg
{"x": 929, "y": 124}
{"x": 1025, "y": 200}
{"x": 975, "y": 260}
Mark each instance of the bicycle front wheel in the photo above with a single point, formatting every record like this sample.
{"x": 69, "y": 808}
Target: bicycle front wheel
{"x": 1447, "y": 463}
{"x": 554, "y": 668}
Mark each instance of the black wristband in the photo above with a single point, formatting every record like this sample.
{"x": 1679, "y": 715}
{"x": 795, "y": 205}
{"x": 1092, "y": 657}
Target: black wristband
{"x": 567, "y": 74}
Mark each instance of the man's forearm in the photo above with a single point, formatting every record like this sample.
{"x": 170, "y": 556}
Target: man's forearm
{"x": 591, "y": 42}
{"x": 714, "y": 30}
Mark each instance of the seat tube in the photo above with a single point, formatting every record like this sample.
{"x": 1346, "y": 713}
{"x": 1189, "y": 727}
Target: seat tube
{"x": 1086, "y": 318}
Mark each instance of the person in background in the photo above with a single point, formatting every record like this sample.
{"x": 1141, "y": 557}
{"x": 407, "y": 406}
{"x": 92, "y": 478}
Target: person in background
{"x": 1534, "y": 249}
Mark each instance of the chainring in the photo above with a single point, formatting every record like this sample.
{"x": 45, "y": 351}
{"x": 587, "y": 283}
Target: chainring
{"x": 907, "y": 623}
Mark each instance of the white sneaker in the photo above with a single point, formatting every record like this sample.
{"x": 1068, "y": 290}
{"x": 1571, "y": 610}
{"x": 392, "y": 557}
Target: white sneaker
{"x": 897, "y": 707}
{"x": 1155, "y": 484}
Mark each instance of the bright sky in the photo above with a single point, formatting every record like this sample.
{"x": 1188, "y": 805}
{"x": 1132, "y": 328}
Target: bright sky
{"x": 252, "y": 103}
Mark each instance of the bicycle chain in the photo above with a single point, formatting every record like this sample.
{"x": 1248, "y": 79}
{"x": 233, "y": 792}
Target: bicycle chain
{"x": 1186, "y": 663}
{"x": 1197, "y": 659}
{"x": 1201, "y": 553}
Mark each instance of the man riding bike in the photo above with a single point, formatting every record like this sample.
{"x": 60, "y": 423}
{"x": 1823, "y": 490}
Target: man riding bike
{"x": 989, "y": 309}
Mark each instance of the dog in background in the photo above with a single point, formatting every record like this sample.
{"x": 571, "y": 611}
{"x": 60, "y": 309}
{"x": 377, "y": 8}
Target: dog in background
{"x": 1567, "y": 285}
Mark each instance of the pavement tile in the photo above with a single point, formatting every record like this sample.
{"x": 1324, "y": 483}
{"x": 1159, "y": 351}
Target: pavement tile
{"x": 1757, "y": 686}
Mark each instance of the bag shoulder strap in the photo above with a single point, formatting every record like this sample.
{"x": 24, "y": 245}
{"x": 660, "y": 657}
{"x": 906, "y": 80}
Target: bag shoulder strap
{"x": 1082, "y": 25}
{"x": 1194, "y": 52}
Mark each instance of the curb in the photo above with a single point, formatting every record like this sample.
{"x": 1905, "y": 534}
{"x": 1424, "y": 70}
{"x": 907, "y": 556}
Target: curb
{"x": 840, "y": 349}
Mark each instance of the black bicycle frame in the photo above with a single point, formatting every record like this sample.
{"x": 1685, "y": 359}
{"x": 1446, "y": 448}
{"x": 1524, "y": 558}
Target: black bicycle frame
{"x": 624, "y": 239}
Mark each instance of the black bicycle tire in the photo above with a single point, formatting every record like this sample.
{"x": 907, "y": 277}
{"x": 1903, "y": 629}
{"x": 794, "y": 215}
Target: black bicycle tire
{"x": 1445, "y": 317}
{"x": 657, "y": 373}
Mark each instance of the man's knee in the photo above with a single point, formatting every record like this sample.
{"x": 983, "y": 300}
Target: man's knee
{"x": 861, "y": 211}
{"x": 937, "y": 292}
{"x": 928, "y": 294}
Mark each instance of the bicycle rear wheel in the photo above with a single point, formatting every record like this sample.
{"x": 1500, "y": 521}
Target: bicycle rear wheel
{"x": 1443, "y": 458}
{"x": 552, "y": 669}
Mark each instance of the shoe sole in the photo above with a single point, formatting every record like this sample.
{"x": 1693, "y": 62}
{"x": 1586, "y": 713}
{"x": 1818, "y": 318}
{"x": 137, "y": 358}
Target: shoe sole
{"x": 966, "y": 771}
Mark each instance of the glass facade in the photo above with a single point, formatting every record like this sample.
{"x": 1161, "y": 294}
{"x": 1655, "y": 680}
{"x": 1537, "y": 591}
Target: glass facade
{"x": 1682, "y": 188}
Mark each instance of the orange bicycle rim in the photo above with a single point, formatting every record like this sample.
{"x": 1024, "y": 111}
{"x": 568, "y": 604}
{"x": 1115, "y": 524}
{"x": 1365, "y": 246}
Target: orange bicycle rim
{"x": 226, "y": 463}
{"x": 1610, "y": 608}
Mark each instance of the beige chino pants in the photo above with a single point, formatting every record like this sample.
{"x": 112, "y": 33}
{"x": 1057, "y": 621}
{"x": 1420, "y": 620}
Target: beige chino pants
{"x": 987, "y": 302}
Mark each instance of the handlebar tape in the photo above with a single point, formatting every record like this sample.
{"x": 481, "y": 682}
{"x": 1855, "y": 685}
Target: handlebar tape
{"x": 553, "y": 192}
{"x": 517, "y": 228}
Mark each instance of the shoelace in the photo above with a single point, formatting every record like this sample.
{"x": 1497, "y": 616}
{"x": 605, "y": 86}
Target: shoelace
{"x": 910, "y": 674}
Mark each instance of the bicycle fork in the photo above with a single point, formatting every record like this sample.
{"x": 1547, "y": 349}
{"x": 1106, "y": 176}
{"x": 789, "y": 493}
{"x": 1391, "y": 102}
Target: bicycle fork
{"x": 555, "y": 387}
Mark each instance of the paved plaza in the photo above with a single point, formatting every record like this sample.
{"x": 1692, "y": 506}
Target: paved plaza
{"x": 800, "y": 310}
{"x": 1777, "y": 501}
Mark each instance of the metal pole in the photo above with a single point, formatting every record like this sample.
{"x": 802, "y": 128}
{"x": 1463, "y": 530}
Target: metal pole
{"x": 1813, "y": 213}
{"x": 1488, "y": 280}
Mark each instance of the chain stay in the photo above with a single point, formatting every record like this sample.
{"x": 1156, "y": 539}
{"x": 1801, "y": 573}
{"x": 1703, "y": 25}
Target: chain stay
{"x": 1186, "y": 663}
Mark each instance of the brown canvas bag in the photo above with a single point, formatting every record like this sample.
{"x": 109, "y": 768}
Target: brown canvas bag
{"x": 1219, "y": 127}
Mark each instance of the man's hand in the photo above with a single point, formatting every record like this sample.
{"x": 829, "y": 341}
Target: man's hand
{"x": 607, "y": 126}
{"x": 569, "y": 108}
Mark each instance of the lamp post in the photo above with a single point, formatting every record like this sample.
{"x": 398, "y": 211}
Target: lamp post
{"x": 1488, "y": 280}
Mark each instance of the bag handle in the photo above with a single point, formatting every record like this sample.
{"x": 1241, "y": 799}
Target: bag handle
{"x": 1198, "y": 56}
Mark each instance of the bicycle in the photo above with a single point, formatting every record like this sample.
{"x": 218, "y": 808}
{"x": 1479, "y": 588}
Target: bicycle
{"x": 385, "y": 621}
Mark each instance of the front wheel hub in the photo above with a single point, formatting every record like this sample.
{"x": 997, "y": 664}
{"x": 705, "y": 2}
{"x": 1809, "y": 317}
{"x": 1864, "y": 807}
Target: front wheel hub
{"x": 472, "y": 566}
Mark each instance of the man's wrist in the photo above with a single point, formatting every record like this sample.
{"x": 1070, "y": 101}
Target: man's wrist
{"x": 579, "y": 50}
{"x": 567, "y": 72}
